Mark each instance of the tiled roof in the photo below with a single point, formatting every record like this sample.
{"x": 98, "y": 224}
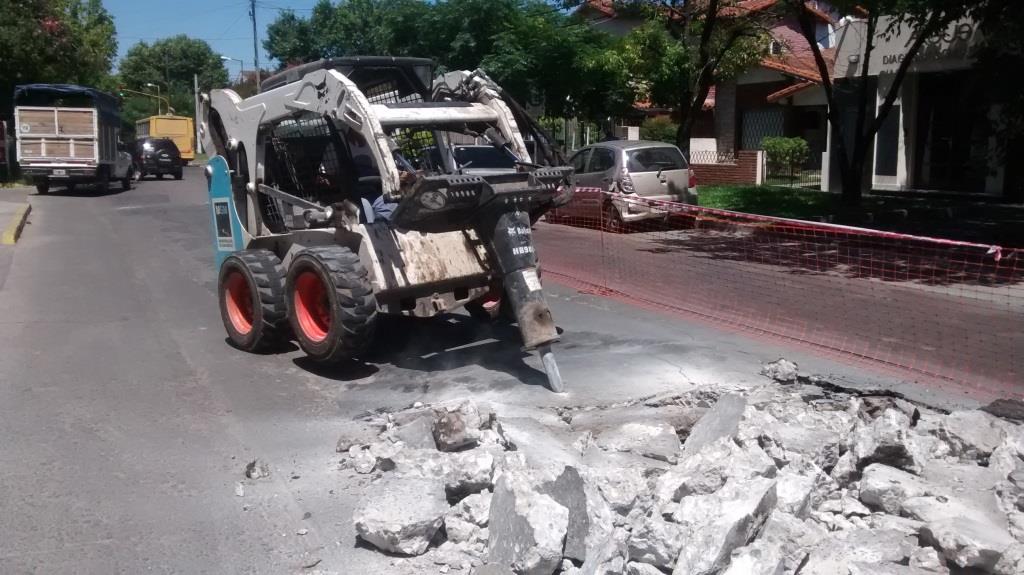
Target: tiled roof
{"x": 647, "y": 106}
{"x": 790, "y": 90}
{"x": 605, "y": 7}
{"x": 800, "y": 64}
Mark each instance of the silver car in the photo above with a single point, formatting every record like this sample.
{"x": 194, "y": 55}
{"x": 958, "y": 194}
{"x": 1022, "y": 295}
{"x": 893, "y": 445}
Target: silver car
{"x": 611, "y": 176}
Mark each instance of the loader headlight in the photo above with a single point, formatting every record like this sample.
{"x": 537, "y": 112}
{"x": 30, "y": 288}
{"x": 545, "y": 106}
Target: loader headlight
{"x": 433, "y": 200}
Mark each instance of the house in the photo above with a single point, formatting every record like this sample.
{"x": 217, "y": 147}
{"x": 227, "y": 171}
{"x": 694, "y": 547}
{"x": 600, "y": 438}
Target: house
{"x": 782, "y": 96}
{"x": 939, "y": 134}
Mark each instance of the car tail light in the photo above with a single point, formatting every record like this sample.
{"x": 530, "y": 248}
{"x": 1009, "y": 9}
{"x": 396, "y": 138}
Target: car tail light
{"x": 693, "y": 179}
{"x": 626, "y": 182}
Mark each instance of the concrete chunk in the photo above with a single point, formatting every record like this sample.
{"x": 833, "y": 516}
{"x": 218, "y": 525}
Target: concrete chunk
{"x": 655, "y": 541}
{"x": 886, "y": 488}
{"x": 972, "y": 434}
{"x": 527, "y": 528}
{"x": 886, "y": 439}
{"x": 781, "y": 370}
{"x": 968, "y": 542}
{"x": 457, "y": 427}
{"x": 720, "y": 421}
{"x": 654, "y": 439}
{"x": 758, "y": 558}
{"x": 402, "y": 516}
{"x": 713, "y": 526}
{"x": 707, "y": 470}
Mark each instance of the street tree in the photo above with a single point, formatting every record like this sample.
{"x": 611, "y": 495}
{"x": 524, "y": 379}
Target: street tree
{"x": 925, "y": 20}
{"x": 1002, "y": 51}
{"x": 171, "y": 64}
{"x": 536, "y": 51}
{"x": 54, "y": 41}
{"x": 686, "y": 47}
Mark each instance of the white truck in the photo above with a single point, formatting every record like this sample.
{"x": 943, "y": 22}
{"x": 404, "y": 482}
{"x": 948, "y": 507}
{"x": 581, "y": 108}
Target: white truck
{"x": 67, "y": 135}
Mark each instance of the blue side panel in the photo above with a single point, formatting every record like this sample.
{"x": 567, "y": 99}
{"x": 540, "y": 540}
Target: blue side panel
{"x": 227, "y": 229}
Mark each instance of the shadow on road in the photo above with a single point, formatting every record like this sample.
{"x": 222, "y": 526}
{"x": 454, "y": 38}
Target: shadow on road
{"x": 80, "y": 191}
{"x": 434, "y": 345}
{"x": 851, "y": 257}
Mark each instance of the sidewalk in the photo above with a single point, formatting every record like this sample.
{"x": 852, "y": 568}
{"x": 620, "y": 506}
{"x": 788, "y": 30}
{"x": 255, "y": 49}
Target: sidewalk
{"x": 14, "y": 211}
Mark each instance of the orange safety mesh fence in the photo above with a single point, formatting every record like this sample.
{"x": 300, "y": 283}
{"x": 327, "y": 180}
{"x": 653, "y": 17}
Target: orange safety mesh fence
{"x": 940, "y": 309}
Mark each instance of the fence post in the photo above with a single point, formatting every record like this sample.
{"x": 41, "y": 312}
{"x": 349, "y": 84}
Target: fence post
{"x": 759, "y": 170}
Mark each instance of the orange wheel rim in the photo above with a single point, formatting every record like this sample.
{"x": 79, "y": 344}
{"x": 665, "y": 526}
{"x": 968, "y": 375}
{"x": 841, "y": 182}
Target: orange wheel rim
{"x": 239, "y": 302}
{"x": 312, "y": 307}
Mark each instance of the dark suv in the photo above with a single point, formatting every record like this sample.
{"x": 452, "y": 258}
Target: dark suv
{"x": 156, "y": 156}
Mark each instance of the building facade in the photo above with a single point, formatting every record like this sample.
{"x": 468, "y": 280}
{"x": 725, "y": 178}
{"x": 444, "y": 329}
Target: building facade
{"x": 939, "y": 134}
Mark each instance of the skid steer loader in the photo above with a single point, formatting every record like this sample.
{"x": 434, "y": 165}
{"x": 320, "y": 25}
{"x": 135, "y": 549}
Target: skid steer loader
{"x": 336, "y": 197}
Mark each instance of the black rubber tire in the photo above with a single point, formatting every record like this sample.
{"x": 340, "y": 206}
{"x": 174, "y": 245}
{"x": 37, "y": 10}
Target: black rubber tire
{"x": 178, "y": 174}
{"x": 264, "y": 278}
{"x": 611, "y": 221}
{"x": 126, "y": 181}
{"x": 350, "y": 303}
{"x": 42, "y": 186}
{"x": 159, "y": 176}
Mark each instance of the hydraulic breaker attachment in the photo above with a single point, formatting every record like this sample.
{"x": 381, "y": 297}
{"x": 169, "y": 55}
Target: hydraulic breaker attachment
{"x": 511, "y": 242}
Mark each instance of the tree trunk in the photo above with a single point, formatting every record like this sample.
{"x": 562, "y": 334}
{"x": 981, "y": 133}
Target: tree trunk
{"x": 683, "y": 135}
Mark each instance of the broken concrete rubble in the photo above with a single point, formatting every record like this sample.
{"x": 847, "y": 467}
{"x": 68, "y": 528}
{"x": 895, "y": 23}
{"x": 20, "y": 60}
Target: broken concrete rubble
{"x": 654, "y": 439}
{"x": 886, "y": 439}
{"x": 656, "y": 541}
{"x": 758, "y": 558}
{"x": 713, "y": 526}
{"x": 588, "y": 491}
{"x": 402, "y": 516}
{"x": 708, "y": 469}
{"x": 781, "y": 370}
{"x": 527, "y": 528}
{"x": 457, "y": 427}
{"x": 968, "y": 542}
{"x": 972, "y": 434}
{"x": 720, "y": 421}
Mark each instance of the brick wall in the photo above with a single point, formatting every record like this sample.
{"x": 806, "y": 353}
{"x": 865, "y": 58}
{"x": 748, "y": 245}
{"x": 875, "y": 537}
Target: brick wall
{"x": 742, "y": 171}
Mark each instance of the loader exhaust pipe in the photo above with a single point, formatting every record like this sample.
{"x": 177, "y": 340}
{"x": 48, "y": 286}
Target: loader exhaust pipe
{"x": 512, "y": 244}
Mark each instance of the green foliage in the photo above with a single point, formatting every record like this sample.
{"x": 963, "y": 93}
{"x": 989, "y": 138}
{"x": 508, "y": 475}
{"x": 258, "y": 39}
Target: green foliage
{"x": 54, "y": 41}
{"x": 788, "y": 153}
{"x": 171, "y": 64}
{"x": 659, "y": 129}
{"x": 542, "y": 56}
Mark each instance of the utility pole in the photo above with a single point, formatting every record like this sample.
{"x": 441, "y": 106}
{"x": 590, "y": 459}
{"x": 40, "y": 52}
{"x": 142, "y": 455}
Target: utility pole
{"x": 198, "y": 147}
{"x": 255, "y": 43}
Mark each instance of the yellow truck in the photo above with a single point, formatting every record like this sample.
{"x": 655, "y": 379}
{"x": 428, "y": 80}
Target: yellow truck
{"x": 180, "y": 129}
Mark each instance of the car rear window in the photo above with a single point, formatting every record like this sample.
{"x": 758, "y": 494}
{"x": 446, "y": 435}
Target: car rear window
{"x": 483, "y": 157}
{"x": 654, "y": 159}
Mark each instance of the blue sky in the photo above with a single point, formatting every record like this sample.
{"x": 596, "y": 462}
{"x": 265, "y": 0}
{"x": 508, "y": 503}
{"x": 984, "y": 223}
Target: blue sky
{"x": 224, "y": 24}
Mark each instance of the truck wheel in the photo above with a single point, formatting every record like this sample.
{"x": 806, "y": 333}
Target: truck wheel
{"x": 42, "y": 186}
{"x": 126, "y": 181}
{"x": 252, "y": 306}
{"x": 178, "y": 174}
{"x": 102, "y": 182}
{"x": 331, "y": 305}
{"x": 159, "y": 175}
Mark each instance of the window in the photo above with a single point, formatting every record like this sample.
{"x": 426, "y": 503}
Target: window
{"x": 579, "y": 161}
{"x": 775, "y": 47}
{"x": 601, "y": 160}
{"x": 655, "y": 159}
{"x": 483, "y": 157}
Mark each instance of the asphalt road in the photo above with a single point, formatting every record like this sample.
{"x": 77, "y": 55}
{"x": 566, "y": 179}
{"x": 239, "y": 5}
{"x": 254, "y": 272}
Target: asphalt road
{"x": 127, "y": 420}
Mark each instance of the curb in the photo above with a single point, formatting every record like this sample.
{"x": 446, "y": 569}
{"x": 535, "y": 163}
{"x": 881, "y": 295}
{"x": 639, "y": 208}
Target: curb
{"x": 13, "y": 230}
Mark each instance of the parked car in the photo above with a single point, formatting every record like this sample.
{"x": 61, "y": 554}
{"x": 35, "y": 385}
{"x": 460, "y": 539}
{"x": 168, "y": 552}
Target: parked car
{"x": 156, "y": 156}
{"x": 612, "y": 175}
